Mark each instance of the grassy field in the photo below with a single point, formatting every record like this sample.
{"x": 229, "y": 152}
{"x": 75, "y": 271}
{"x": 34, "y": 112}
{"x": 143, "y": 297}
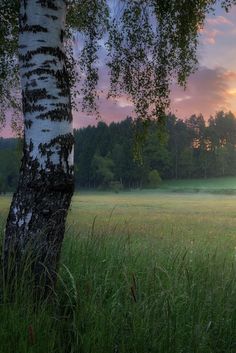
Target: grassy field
{"x": 145, "y": 272}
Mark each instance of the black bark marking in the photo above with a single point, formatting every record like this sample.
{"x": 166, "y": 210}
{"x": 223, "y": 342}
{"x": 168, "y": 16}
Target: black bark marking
{"x": 42, "y": 78}
{"x": 27, "y": 65}
{"x": 36, "y": 94}
{"x": 54, "y": 51}
{"x": 61, "y": 77}
{"x": 32, "y": 108}
{"x": 30, "y": 97}
{"x": 28, "y": 123}
{"x": 62, "y": 34}
{"x": 59, "y": 114}
{"x": 50, "y": 4}
{"x": 40, "y": 71}
{"x": 23, "y": 18}
{"x": 64, "y": 144}
{"x": 47, "y": 62}
{"x": 33, "y": 83}
{"x": 33, "y": 28}
{"x": 52, "y": 17}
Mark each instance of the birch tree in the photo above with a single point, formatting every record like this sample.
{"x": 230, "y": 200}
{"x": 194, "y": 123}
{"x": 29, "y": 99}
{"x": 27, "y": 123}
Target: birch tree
{"x": 149, "y": 44}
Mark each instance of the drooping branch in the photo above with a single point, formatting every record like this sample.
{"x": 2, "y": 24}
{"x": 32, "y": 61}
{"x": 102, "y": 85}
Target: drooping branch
{"x": 91, "y": 19}
{"x": 151, "y": 43}
{"x": 9, "y": 78}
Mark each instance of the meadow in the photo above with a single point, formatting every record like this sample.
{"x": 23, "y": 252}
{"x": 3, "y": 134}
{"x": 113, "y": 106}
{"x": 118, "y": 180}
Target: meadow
{"x": 141, "y": 271}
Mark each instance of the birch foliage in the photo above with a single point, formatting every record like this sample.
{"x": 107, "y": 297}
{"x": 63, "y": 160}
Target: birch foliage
{"x": 149, "y": 43}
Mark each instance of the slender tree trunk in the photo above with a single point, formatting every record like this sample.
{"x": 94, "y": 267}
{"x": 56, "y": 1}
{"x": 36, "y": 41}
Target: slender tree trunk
{"x": 36, "y": 220}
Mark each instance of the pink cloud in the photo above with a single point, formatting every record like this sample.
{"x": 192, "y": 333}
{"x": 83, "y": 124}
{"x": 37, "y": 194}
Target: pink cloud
{"x": 110, "y": 110}
{"x": 209, "y": 36}
{"x": 219, "y": 20}
{"x": 215, "y": 27}
{"x": 208, "y": 91}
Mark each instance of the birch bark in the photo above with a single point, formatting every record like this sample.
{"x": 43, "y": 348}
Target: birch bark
{"x": 36, "y": 220}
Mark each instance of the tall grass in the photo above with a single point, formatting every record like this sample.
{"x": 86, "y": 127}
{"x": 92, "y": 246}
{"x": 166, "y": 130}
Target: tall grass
{"x": 116, "y": 294}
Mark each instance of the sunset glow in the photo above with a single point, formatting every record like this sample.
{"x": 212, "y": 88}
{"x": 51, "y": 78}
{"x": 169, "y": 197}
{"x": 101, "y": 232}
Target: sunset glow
{"x": 210, "y": 89}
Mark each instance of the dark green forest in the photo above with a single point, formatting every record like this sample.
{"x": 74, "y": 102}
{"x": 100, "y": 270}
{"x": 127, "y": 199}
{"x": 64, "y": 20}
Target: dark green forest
{"x": 105, "y": 158}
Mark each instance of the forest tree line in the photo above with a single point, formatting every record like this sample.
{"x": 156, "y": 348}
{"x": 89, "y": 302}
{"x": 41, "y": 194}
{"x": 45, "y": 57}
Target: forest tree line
{"x": 104, "y": 155}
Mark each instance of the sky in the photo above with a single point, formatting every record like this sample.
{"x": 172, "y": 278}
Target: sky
{"x": 213, "y": 86}
{"x": 210, "y": 89}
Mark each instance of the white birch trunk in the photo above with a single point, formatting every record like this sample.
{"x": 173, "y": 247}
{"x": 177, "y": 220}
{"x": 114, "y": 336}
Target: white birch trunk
{"x": 39, "y": 207}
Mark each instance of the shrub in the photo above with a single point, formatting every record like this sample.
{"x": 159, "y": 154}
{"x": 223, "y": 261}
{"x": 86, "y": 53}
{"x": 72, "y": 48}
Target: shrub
{"x": 116, "y": 186}
{"x": 154, "y": 179}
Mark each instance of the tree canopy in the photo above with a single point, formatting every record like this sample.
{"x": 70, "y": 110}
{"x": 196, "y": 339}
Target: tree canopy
{"x": 149, "y": 44}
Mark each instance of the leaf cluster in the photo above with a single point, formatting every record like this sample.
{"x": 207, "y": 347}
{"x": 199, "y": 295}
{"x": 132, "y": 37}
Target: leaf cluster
{"x": 9, "y": 12}
{"x": 150, "y": 44}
